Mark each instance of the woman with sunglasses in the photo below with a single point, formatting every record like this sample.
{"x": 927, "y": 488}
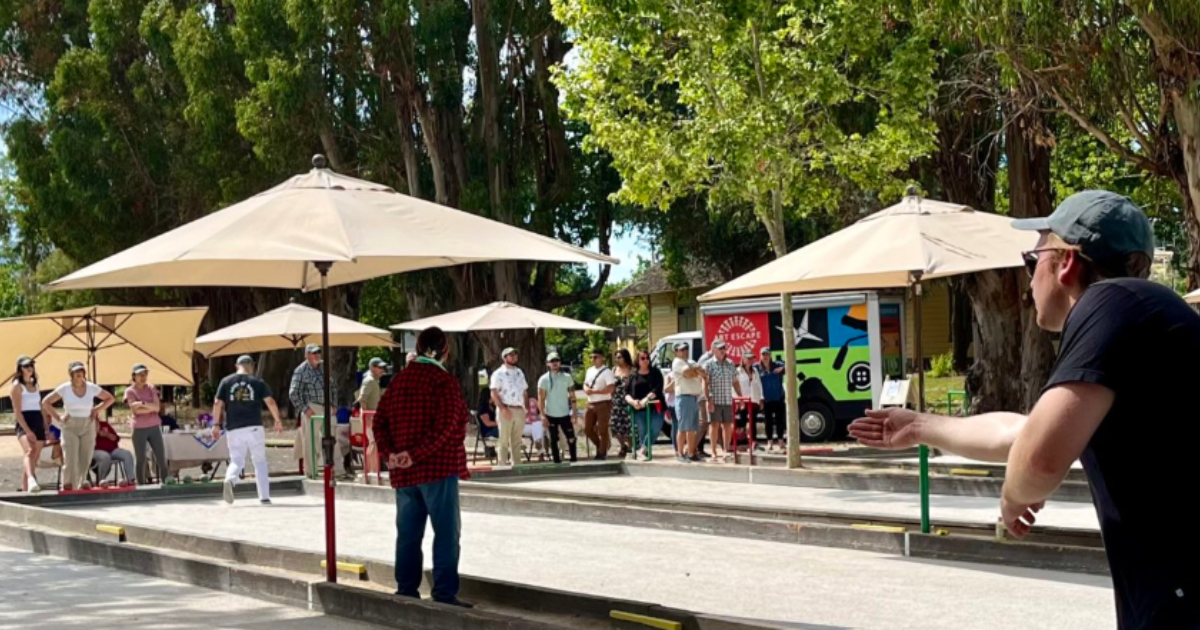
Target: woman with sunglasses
{"x": 623, "y": 371}
{"x": 78, "y": 422}
{"x": 645, "y": 396}
{"x": 31, "y": 428}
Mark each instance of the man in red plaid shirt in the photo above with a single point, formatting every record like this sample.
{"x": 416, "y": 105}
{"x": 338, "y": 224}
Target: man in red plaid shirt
{"x": 420, "y": 427}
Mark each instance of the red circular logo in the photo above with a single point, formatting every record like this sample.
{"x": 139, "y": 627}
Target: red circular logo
{"x": 740, "y": 334}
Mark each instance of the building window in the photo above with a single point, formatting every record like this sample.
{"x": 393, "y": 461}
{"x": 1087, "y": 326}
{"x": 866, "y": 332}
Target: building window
{"x": 686, "y": 318}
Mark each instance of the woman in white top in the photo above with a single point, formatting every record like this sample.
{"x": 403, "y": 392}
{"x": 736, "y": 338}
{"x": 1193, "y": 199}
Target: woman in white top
{"x": 78, "y": 422}
{"x": 750, "y": 384}
{"x": 31, "y": 429}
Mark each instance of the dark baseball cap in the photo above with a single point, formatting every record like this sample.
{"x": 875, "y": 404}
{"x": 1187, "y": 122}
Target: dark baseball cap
{"x": 245, "y": 359}
{"x": 24, "y": 361}
{"x": 1105, "y": 226}
{"x": 138, "y": 368}
{"x": 312, "y": 348}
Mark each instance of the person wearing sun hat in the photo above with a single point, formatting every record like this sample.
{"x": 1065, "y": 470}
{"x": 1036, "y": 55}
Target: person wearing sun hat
{"x": 510, "y": 391}
{"x": 556, "y": 405}
{"x": 238, "y": 410}
{"x": 143, "y": 401}
{"x": 1118, "y": 400}
{"x": 78, "y": 422}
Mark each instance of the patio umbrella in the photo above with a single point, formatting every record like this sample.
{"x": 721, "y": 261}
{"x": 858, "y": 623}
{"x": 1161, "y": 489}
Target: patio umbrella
{"x": 497, "y": 316}
{"x": 316, "y": 230}
{"x": 900, "y": 246}
{"x": 108, "y": 339}
{"x": 287, "y": 328}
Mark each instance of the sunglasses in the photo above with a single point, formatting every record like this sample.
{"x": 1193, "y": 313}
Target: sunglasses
{"x": 643, "y": 358}
{"x": 1032, "y": 257}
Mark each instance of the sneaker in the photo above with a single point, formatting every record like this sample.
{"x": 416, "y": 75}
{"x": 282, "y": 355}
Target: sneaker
{"x": 681, "y": 459}
{"x": 34, "y": 488}
{"x": 454, "y": 602}
{"x": 228, "y": 491}
{"x": 264, "y": 502}
{"x": 695, "y": 458}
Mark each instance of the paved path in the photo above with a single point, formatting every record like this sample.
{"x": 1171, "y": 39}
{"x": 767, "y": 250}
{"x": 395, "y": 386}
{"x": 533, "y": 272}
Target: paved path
{"x": 943, "y": 508}
{"x": 817, "y": 587}
{"x": 51, "y": 593}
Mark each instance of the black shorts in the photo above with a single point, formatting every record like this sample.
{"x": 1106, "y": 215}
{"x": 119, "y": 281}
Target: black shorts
{"x": 36, "y": 425}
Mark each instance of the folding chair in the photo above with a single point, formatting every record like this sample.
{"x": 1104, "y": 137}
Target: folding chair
{"x": 482, "y": 435}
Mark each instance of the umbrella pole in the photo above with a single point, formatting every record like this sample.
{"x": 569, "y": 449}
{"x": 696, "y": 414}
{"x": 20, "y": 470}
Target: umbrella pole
{"x": 920, "y": 359}
{"x": 327, "y": 441}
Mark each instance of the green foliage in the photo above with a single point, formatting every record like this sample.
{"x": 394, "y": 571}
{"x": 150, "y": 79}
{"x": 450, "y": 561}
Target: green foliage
{"x": 942, "y": 365}
{"x": 756, "y": 104}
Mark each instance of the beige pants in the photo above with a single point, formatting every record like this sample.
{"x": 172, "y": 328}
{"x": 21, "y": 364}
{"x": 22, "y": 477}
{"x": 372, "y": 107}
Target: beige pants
{"x": 78, "y": 444}
{"x": 511, "y": 431}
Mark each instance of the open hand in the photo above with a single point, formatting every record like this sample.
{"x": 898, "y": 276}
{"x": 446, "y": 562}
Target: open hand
{"x": 891, "y": 428}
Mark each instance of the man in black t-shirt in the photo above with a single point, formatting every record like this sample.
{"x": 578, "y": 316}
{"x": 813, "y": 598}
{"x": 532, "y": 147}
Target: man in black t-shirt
{"x": 240, "y": 399}
{"x": 1119, "y": 400}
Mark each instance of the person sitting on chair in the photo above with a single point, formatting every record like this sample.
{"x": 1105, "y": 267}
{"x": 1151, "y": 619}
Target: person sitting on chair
{"x": 107, "y": 450}
{"x": 488, "y": 428}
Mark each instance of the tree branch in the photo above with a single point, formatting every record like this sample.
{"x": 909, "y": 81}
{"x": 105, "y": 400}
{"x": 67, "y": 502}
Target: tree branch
{"x": 1139, "y": 161}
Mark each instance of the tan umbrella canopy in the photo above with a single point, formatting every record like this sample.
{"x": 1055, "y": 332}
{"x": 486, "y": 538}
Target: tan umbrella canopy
{"x": 274, "y": 238}
{"x": 107, "y": 339}
{"x": 900, "y": 246}
{"x": 313, "y": 231}
{"x": 931, "y": 239}
{"x": 287, "y": 328}
{"x": 497, "y": 316}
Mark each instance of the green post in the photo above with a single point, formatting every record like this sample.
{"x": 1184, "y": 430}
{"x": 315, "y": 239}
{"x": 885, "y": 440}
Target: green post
{"x": 924, "y": 450}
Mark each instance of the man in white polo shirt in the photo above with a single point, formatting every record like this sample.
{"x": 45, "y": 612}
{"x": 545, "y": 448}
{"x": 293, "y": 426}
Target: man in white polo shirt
{"x": 598, "y": 384}
{"x": 510, "y": 391}
{"x": 689, "y": 386}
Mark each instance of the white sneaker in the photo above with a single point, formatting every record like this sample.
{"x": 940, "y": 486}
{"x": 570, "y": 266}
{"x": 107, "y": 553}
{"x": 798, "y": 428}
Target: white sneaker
{"x": 34, "y": 488}
{"x": 228, "y": 492}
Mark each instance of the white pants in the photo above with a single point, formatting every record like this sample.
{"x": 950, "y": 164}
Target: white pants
{"x": 252, "y": 441}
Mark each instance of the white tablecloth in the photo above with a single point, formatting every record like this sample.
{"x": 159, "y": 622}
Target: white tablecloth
{"x": 184, "y": 451}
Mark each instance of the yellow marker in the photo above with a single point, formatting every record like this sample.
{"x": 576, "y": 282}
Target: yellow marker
{"x": 349, "y": 567}
{"x": 891, "y": 529}
{"x": 970, "y": 472}
{"x": 115, "y": 530}
{"x": 941, "y": 532}
{"x": 653, "y": 622}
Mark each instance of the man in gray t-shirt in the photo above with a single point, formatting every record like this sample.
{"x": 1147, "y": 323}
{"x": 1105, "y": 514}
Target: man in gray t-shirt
{"x": 238, "y": 407}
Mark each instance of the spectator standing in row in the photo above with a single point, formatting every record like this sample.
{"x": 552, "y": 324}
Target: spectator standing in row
{"x": 599, "y": 383}
{"x": 31, "y": 427}
{"x": 420, "y": 429}
{"x": 307, "y": 392}
{"x": 143, "y": 401}
{"x": 108, "y": 449}
{"x": 770, "y": 372}
{"x": 240, "y": 399}
{"x": 622, "y": 372}
{"x": 750, "y": 386}
{"x": 510, "y": 391}
{"x": 369, "y": 391}
{"x": 78, "y": 422}
{"x": 646, "y": 397}
{"x": 689, "y": 385}
{"x": 556, "y": 404}
{"x": 720, "y": 387}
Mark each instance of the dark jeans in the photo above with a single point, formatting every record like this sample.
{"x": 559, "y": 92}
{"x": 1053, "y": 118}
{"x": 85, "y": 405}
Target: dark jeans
{"x": 153, "y": 437}
{"x": 437, "y": 501}
{"x": 568, "y": 429}
{"x": 776, "y": 418}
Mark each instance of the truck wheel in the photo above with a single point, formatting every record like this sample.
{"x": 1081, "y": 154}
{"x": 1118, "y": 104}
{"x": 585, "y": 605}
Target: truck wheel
{"x": 817, "y": 423}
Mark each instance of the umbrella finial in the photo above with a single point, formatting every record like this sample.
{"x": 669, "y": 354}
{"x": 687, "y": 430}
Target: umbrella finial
{"x": 319, "y": 161}
{"x": 912, "y": 191}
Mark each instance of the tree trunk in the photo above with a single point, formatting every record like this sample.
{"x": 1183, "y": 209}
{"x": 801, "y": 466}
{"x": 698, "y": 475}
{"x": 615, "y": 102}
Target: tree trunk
{"x": 961, "y": 326}
{"x": 1030, "y": 195}
{"x": 996, "y": 304}
{"x": 1187, "y": 118}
